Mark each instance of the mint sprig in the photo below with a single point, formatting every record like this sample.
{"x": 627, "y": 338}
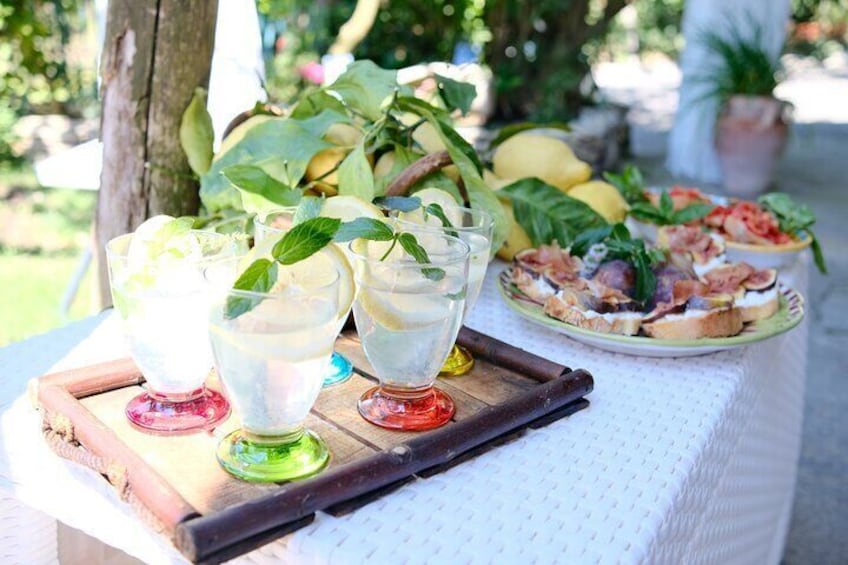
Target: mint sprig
{"x": 307, "y": 238}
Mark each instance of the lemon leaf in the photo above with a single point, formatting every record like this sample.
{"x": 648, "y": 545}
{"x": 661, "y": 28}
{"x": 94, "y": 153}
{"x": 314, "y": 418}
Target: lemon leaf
{"x": 196, "y": 134}
{"x": 264, "y": 191}
{"x": 260, "y": 276}
{"x": 364, "y": 86}
{"x": 355, "y": 175}
{"x": 309, "y": 207}
{"x": 546, "y": 214}
{"x": 456, "y": 95}
{"x": 305, "y": 239}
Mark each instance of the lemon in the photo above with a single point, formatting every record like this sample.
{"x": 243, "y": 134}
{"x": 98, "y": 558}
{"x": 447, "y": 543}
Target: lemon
{"x": 527, "y": 155}
{"x": 517, "y": 238}
{"x": 404, "y": 311}
{"x": 433, "y": 196}
{"x": 348, "y": 208}
{"x": 344, "y": 137}
{"x": 428, "y": 138}
{"x": 493, "y": 181}
{"x": 603, "y": 198}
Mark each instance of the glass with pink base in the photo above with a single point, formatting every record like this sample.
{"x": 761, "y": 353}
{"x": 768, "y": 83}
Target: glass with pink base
{"x": 159, "y": 291}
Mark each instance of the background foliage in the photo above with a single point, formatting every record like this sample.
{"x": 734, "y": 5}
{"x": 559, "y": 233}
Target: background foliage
{"x": 38, "y": 72}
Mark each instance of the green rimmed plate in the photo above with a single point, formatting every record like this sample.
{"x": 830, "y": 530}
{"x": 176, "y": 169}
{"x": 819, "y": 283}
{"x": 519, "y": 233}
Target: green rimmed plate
{"x": 789, "y": 315}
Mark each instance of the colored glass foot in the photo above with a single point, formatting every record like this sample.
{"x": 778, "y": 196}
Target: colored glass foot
{"x": 270, "y": 459}
{"x": 200, "y": 410}
{"x": 402, "y": 410}
{"x": 339, "y": 371}
{"x": 459, "y": 362}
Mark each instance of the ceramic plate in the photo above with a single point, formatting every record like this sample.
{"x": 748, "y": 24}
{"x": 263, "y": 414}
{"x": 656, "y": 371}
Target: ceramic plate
{"x": 789, "y": 315}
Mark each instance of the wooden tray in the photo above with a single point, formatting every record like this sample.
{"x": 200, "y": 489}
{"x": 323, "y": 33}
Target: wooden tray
{"x": 176, "y": 484}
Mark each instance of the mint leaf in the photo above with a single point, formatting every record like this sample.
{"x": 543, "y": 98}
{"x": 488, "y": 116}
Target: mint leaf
{"x": 666, "y": 204}
{"x": 456, "y": 95}
{"x": 399, "y": 203}
{"x": 305, "y": 239}
{"x": 367, "y": 228}
{"x": 691, "y": 213}
{"x": 629, "y": 183}
{"x": 436, "y": 210}
{"x": 309, "y": 207}
{"x": 791, "y": 216}
{"x": 260, "y": 276}
{"x": 411, "y": 246}
{"x": 355, "y": 175}
{"x": 818, "y": 255}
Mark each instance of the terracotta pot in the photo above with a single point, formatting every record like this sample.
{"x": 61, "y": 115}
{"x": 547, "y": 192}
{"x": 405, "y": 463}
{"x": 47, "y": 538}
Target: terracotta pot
{"x": 750, "y": 137}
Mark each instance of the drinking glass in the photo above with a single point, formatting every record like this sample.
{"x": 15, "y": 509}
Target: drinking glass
{"x": 271, "y": 360}
{"x": 163, "y": 305}
{"x": 281, "y": 221}
{"x": 474, "y": 227}
{"x": 407, "y": 316}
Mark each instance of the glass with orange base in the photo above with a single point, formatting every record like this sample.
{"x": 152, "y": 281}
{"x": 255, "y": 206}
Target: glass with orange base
{"x": 474, "y": 227}
{"x": 407, "y": 316}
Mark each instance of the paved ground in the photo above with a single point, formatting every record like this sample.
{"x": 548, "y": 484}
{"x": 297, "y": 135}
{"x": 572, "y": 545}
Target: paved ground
{"x": 815, "y": 170}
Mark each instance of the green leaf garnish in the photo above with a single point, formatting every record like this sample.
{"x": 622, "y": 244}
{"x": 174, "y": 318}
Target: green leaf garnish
{"x": 456, "y": 95}
{"x": 399, "y": 203}
{"x": 794, "y": 219}
{"x": 259, "y": 277}
{"x": 691, "y": 213}
{"x": 305, "y": 239}
{"x": 365, "y": 228}
{"x": 309, "y": 207}
{"x": 629, "y": 183}
{"x": 411, "y": 246}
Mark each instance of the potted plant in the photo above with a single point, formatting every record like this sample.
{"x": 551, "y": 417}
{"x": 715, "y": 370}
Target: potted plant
{"x": 751, "y": 127}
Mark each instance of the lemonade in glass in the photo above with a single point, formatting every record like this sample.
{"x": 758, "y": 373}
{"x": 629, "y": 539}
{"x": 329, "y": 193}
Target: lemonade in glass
{"x": 474, "y": 227}
{"x": 281, "y": 221}
{"x": 272, "y": 359}
{"x": 407, "y": 316}
{"x": 156, "y": 278}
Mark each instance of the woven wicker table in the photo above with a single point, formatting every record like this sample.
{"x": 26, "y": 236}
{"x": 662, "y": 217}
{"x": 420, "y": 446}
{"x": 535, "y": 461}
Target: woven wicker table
{"x": 689, "y": 460}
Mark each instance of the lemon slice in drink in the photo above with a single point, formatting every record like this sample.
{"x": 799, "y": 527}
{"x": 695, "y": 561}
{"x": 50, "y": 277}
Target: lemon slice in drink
{"x": 348, "y": 208}
{"x": 313, "y": 272}
{"x": 433, "y": 196}
{"x": 404, "y": 311}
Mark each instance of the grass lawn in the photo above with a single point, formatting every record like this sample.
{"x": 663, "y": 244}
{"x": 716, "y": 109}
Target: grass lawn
{"x": 42, "y": 234}
{"x": 34, "y": 286}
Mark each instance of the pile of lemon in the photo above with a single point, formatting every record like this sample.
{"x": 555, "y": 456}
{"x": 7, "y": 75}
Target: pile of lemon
{"x": 529, "y": 154}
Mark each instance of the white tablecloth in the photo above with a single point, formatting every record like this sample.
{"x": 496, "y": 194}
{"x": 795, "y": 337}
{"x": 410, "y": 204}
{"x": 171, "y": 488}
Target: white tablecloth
{"x": 689, "y": 460}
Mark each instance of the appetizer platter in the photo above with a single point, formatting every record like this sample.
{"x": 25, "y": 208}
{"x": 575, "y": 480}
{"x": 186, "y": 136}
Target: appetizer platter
{"x": 680, "y": 298}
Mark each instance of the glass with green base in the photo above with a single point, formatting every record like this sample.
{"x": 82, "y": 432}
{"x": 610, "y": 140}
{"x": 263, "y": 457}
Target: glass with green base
{"x": 278, "y": 222}
{"x": 271, "y": 360}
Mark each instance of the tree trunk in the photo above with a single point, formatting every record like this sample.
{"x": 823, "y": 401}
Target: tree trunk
{"x": 155, "y": 53}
